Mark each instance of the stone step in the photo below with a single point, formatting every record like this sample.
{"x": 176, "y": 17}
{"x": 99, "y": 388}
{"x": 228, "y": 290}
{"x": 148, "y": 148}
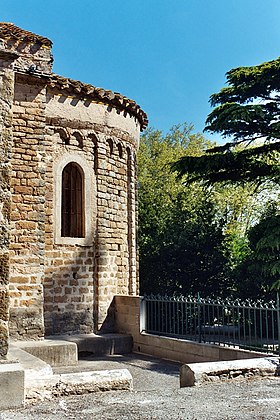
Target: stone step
{"x": 32, "y": 366}
{"x": 52, "y": 351}
{"x": 27, "y": 376}
{"x": 99, "y": 344}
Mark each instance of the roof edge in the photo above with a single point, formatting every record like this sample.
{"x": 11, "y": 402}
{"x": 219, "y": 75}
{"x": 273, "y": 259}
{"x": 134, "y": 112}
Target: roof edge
{"x": 88, "y": 91}
{"x": 11, "y": 31}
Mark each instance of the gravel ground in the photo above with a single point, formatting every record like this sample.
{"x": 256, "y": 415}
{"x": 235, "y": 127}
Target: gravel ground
{"x": 157, "y": 395}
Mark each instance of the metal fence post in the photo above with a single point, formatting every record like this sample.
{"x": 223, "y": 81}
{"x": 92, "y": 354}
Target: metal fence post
{"x": 143, "y": 315}
{"x": 278, "y": 320}
{"x": 199, "y": 318}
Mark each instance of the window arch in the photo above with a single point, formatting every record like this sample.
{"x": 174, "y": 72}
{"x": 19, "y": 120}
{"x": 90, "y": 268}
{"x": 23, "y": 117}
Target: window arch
{"x": 110, "y": 146}
{"x": 120, "y": 150}
{"x": 88, "y": 199}
{"x": 72, "y": 202}
{"x": 78, "y": 140}
{"x": 64, "y": 136}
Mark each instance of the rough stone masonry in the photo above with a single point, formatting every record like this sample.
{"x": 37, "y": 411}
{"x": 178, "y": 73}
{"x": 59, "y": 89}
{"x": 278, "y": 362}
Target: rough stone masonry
{"x": 67, "y": 195}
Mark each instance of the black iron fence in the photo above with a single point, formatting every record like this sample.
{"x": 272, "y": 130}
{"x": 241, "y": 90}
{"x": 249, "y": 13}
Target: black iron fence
{"x": 244, "y": 324}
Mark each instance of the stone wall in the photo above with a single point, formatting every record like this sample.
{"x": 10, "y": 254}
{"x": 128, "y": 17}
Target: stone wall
{"x": 61, "y": 285}
{"x": 116, "y": 264}
{"x": 69, "y": 262}
{"x": 27, "y": 243}
{"x": 32, "y": 53}
{"x": 6, "y": 96}
{"x": 82, "y": 278}
{"x": 58, "y": 284}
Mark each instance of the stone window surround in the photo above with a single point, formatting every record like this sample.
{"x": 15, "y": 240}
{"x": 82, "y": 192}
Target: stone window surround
{"x": 89, "y": 203}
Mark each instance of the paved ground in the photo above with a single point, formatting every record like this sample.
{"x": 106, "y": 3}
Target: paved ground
{"x": 157, "y": 395}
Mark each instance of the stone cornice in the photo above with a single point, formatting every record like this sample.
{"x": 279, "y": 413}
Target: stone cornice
{"x": 96, "y": 94}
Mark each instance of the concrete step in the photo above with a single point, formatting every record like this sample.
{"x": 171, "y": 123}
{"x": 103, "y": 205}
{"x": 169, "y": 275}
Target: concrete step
{"x": 31, "y": 364}
{"x": 25, "y": 376}
{"x": 99, "y": 344}
{"x": 34, "y": 370}
{"x": 52, "y": 351}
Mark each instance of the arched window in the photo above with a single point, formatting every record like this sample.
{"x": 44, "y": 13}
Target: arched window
{"x": 72, "y": 202}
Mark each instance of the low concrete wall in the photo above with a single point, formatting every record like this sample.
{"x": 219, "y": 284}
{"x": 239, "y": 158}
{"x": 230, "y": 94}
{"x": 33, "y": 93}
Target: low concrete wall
{"x": 128, "y": 320}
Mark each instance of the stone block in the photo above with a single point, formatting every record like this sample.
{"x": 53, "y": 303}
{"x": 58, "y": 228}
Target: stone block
{"x": 197, "y": 373}
{"x": 11, "y": 386}
{"x": 80, "y": 383}
{"x": 53, "y": 352}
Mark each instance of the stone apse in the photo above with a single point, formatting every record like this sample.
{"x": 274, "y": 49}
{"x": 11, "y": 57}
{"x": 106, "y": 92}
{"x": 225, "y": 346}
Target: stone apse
{"x": 67, "y": 195}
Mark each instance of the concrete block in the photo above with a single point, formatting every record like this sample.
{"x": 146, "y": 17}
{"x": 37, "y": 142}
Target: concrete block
{"x": 189, "y": 358}
{"x": 52, "y": 351}
{"x": 121, "y": 300}
{"x": 165, "y": 354}
{"x": 35, "y": 369}
{"x": 156, "y": 341}
{"x": 11, "y": 386}
{"x": 189, "y": 347}
{"x": 247, "y": 354}
{"x": 227, "y": 354}
{"x": 210, "y": 352}
{"x": 197, "y": 373}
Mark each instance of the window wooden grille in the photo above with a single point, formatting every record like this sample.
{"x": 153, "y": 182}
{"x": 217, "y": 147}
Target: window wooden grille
{"x": 72, "y": 208}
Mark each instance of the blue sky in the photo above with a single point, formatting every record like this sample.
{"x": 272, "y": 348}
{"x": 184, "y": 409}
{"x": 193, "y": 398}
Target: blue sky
{"x": 168, "y": 55}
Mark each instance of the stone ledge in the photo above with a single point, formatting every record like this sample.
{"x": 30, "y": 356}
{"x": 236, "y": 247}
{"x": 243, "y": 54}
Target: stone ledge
{"x": 79, "y": 383}
{"x": 199, "y": 373}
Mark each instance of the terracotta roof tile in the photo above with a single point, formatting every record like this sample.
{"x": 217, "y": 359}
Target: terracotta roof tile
{"x": 10, "y": 31}
{"x": 99, "y": 94}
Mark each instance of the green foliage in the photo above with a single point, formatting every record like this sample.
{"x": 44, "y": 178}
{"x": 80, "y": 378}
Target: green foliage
{"x": 249, "y": 164}
{"x": 180, "y": 237}
{"x": 247, "y": 111}
{"x": 261, "y": 269}
{"x": 159, "y": 190}
{"x": 192, "y": 237}
{"x": 238, "y": 114}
